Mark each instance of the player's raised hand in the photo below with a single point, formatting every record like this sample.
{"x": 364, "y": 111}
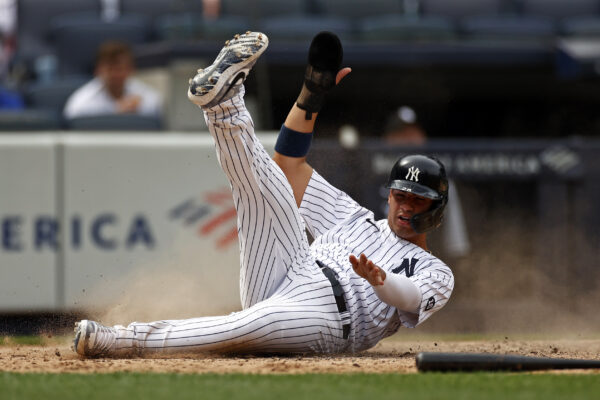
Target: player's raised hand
{"x": 366, "y": 269}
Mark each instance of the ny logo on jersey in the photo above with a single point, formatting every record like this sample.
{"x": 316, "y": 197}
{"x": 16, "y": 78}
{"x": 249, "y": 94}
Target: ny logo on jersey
{"x": 413, "y": 174}
{"x": 408, "y": 266}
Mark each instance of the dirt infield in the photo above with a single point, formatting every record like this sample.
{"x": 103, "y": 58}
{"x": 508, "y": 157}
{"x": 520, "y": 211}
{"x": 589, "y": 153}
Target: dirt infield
{"x": 390, "y": 356}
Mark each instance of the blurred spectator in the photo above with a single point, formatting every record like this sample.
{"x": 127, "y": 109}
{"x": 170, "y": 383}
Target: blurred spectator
{"x": 9, "y": 99}
{"x": 113, "y": 90}
{"x": 8, "y": 16}
{"x": 403, "y": 129}
{"x": 8, "y": 27}
{"x": 211, "y": 9}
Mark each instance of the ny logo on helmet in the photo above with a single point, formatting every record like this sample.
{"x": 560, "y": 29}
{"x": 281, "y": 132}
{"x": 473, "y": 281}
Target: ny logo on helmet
{"x": 413, "y": 174}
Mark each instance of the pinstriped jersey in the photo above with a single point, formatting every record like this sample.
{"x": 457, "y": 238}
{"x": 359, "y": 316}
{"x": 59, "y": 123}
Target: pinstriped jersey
{"x": 342, "y": 227}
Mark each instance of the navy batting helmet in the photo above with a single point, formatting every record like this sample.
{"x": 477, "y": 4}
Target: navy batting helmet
{"x": 424, "y": 176}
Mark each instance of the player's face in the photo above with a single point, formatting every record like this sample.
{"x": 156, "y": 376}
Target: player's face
{"x": 403, "y": 206}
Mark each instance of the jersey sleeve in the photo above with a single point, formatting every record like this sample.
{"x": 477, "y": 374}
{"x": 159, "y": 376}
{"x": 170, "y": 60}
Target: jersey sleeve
{"x": 436, "y": 282}
{"x": 323, "y": 206}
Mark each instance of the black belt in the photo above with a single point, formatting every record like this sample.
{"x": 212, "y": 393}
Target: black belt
{"x": 338, "y": 293}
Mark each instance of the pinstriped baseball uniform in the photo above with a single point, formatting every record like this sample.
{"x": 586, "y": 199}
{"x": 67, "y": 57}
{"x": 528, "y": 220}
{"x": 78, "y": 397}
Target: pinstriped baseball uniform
{"x": 288, "y": 302}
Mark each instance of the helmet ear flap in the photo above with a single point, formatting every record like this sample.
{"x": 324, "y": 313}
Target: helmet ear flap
{"x": 429, "y": 220}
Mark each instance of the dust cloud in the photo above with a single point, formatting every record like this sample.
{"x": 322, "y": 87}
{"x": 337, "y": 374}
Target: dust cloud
{"x": 174, "y": 288}
{"x": 520, "y": 276}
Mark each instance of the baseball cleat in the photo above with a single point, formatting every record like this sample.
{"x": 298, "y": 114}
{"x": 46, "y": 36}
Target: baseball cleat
{"x": 93, "y": 339}
{"x": 223, "y": 78}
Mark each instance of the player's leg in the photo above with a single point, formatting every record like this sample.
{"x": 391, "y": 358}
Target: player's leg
{"x": 298, "y": 318}
{"x": 270, "y": 228}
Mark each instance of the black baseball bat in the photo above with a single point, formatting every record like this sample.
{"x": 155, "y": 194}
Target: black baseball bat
{"x": 496, "y": 362}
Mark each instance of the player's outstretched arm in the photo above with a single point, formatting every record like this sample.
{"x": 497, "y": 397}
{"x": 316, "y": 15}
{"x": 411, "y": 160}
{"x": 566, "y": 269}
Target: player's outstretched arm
{"x": 397, "y": 291}
{"x": 296, "y": 169}
{"x": 322, "y": 74}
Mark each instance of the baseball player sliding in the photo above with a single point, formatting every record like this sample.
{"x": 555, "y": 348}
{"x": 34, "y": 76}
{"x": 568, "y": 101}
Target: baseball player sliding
{"x": 360, "y": 279}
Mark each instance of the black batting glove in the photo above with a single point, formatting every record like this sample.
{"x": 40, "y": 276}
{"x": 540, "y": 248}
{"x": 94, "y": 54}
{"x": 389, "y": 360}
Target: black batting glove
{"x": 324, "y": 61}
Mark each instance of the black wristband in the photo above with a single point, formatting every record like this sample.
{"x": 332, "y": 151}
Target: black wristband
{"x": 292, "y": 143}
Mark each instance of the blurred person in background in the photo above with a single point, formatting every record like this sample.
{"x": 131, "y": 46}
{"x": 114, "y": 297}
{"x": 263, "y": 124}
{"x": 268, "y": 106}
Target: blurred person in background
{"x": 211, "y": 9}
{"x": 8, "y": 28}
{"x": 9, "y": 98}
{"x": 113, "y": 90}
{"x": 403, "y": 129}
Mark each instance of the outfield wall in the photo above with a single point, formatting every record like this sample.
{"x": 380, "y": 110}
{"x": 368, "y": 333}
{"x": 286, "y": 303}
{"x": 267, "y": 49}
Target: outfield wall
{"x": 118, "y": 204}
